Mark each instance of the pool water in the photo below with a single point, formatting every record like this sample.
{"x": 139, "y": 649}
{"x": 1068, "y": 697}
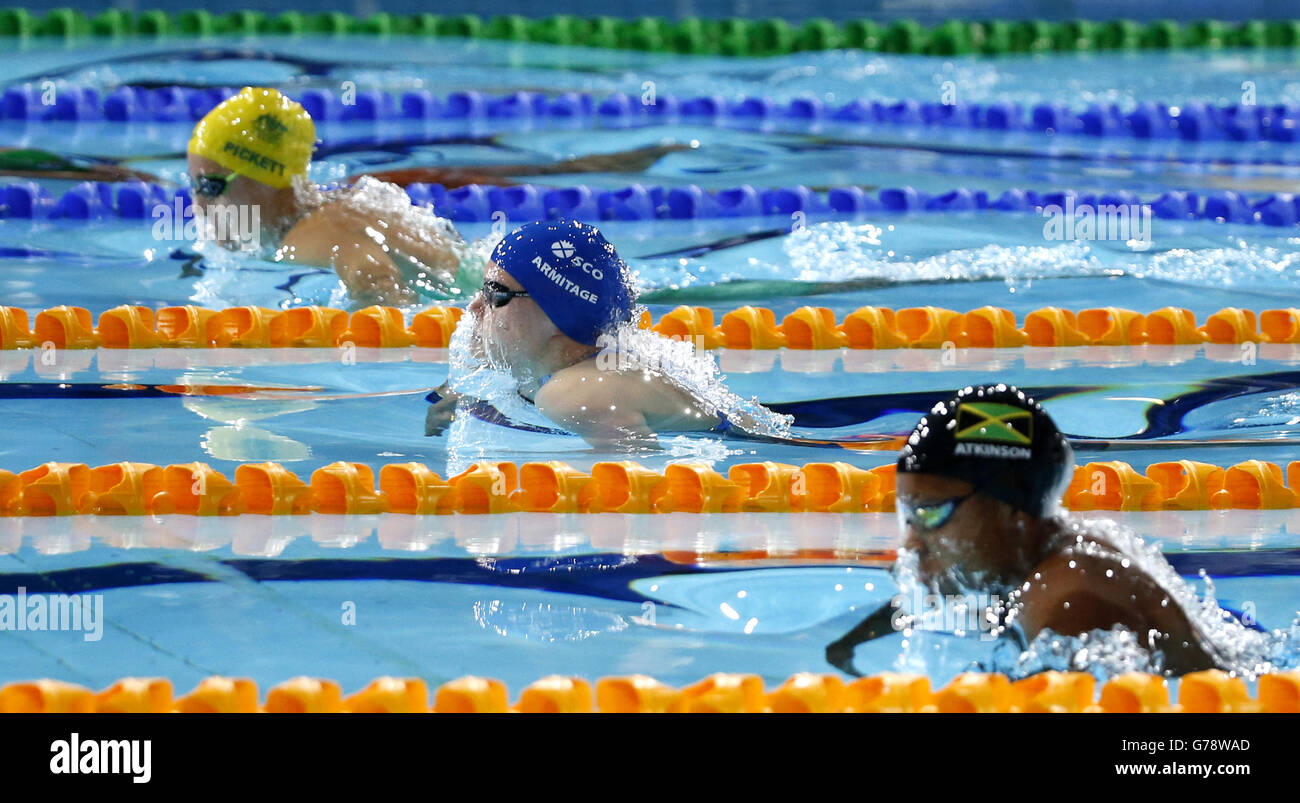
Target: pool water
{"x": 523, "y": 595}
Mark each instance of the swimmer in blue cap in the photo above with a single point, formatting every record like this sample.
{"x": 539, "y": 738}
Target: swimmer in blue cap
{"x": 979, "y": 486}
{"x": 553, "y": 294}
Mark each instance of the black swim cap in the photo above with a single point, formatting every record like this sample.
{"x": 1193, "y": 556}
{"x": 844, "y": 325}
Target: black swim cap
{"x": 999, "y": 440}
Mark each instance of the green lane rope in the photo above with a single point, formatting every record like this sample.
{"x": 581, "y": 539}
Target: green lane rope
{"x": 693, "y": 35}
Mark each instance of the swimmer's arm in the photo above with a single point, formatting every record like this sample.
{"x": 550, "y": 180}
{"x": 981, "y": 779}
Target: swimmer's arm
{"x": 839, "y": 653}
{"x": 1073, "y": 594}
{"x": 427, "y": 249}
{"x": 364, "y": 266}
{"x": 371, "y": 274}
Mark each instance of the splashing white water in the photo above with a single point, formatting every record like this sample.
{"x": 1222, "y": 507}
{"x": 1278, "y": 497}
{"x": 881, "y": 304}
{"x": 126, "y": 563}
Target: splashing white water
{"x": 690, "y": 369}
{"x": 1107, "y": 653}
{"x": 1277, "y": 412}
{"x": 390, "y": 209}
{"x": 841, "y": 252}
{"x": 476, "y": 377}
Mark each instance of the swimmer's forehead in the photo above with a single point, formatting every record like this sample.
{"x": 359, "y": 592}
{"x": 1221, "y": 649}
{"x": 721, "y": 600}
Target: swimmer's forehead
{"x": 203, "y": 165}
{"x": 931, "y": 487}
{"x": 495, "y": 273}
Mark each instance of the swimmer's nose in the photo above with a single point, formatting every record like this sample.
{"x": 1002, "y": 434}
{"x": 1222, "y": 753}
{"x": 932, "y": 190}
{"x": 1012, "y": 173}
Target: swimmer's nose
{"x": 476, "y": 306}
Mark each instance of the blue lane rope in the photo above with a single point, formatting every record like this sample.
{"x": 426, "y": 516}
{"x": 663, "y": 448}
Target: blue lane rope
{"x": 1148, "y": 120}
{"x": 526, "y": 202}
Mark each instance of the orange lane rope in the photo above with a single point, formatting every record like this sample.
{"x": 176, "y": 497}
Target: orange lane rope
{"x": 1210, "y": 691}
{"x": 137, "y": 489}
{"x": 806, "y": 328}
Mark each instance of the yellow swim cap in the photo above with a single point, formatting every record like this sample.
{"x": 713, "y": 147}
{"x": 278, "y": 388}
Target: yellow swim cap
{"x": 258, "y": 133}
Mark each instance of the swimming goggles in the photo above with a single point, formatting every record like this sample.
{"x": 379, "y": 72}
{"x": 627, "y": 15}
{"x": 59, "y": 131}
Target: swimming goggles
{"x": 498, "y": 295}
{"x": 210, "y": 185}
{"x": 932, "y": 515}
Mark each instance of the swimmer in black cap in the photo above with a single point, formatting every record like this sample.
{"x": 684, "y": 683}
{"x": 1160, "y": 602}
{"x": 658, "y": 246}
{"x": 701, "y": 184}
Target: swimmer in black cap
{"x": 979, "y": 486}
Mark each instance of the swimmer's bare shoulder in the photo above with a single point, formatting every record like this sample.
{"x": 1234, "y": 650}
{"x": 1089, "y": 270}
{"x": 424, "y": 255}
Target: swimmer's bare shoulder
{"x": 427, "y": 245}
{"x": 313, "y": 238}
{"x": 1089, "y": 586}
{"x": 610, "y": 405}
{"x": 592, "y": 403}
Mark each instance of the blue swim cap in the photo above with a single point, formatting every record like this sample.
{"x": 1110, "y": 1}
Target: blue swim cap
{"x": 573, "y": 274}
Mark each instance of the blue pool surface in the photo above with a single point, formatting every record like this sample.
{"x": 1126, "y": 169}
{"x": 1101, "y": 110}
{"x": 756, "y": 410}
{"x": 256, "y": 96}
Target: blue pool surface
{"x": 524, "y": 595}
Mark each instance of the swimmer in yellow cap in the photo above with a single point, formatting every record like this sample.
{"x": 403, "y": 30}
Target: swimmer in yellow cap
{"x": 254, "y": 150}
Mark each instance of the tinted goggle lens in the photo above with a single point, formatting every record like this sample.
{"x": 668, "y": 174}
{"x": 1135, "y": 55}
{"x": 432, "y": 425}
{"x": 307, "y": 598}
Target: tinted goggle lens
{"x": 211, "y": 186}
{"x": 931, "y": 516}
{"x": 498, "y": 295}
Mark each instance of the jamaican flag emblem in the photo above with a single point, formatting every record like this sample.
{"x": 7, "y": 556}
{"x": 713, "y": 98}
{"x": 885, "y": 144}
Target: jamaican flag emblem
{"x": 989, "y": 422}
